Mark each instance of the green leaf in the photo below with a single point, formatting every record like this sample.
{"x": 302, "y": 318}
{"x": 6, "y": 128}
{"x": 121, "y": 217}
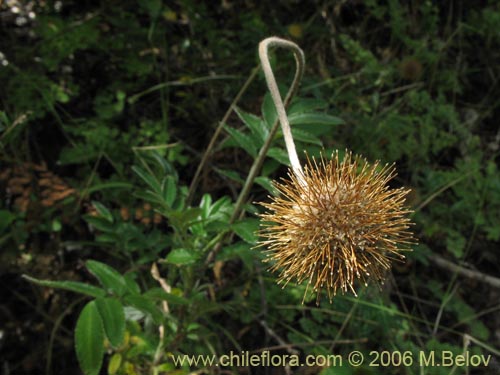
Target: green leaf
{"x": 89, "y": 339}
{"x": 233, "y": 175}
{"x": 269, "y": 111}
{"x": 205, "y": 204}
{"x": 169, "y": 188}
{"x": 304, "y": 136}
{"x": 149, "y": 179}
{"x": 241, "y": 250}
{"x": 247, "y": 230}
{"x": 6, "y": 218}
{"x": 181, "y": 257}
{"x": 99, "y": 223}
{"x": 314, "y": 119}
{"x": 103, "y": 211}
{"x": 254, "y": 123}
{"x": 146, "y": 306}
{"x": 242, "y": 140}
{"x": 109, "y": 278}
{"x": 160, "y": 295}
{"x": 306, "y": 105}
{"x": 114, "y": 363}
{"x": 113, "y": 318}
{"x": 279, "y": 155}
{"x": 132, "y": 285}
{"x": 266, "y": 183}
{"x": 73, "y": 286}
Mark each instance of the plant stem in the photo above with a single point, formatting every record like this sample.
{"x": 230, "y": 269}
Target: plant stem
{"x": 259, "y": 160}
{"x": 275, "y": 94}
{"x": 208, "y": 151}
{"x": 280, "y": 108}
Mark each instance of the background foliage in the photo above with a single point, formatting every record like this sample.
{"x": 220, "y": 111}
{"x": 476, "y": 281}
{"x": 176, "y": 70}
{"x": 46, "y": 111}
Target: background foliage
{"x": 106, "y": 111}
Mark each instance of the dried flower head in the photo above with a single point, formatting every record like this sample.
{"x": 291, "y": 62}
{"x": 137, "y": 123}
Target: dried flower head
{"x": 336, "y": 223}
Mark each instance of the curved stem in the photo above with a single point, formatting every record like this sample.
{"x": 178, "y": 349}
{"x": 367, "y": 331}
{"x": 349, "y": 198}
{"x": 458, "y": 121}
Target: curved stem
{"x": 275, "y": 94}
{"x": 259, "y": 160}
{"x": 280, "y": 106}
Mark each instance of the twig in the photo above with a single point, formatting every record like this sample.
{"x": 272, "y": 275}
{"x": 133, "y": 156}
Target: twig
{"x": 471, "y": 274}
{"x": 289, "y": 348}
{"x": 208, "y": 151}
{"x": 275, "y": 94}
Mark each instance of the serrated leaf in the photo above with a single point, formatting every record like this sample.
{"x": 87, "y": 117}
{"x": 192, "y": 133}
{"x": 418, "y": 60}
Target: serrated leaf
{"x": 314, "y": 119}
{"x": 254, "y": 123}
{"x": 220, "y": 208}
{"x": 109, "y": 278}
{"x": 247, "y": 230}
{"x": 146, "y": 306}
{"x": 113, "y": 319}
{"x": 103, "y": 211}
{"x": 73, "y": 286}
{"x": 149, "y": 179}
{"x": 89, "y": 339}
{"x": 242, "y": 140}
{"x": 181, "y": 257}
{"x": 279, "y": 155}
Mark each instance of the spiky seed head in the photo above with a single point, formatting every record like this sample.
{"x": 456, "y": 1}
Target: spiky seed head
{"x": 338, "y": 223}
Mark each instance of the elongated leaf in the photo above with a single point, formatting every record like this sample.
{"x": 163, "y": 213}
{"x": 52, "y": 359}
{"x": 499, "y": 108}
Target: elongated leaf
{"x": 113, "y": 319}
{"x": 314, "y": 119}
{"x": 103, "y": 211}
{"x": 89, "y": 339}
{"x": 304, "y": 136}
{"x": 108, "y": 185}
{"x": 247, "y": 229}
{"x": 306, "y": 105}
{"x": 114, "y": 363}
{"x": 205, "y": 204}
{"x": 279, "y": 155}
{"x": 150, "y": 180}
{"x": 99, "y": 223}
{"x": 109, "y": 278}
{"x": 243, "y": 140}
{"x": 233, "y": 175}
{"x": 159, "y": 294}
{"x": 145, "y": 305}
{"x": 254, "y": 123}
{"x": 269, "y": 111}
{"x": 132, "y": 285}
{"x": 169, "y": 190}
{"x": 266, "y": 183}
{"x": 73, "y": 286}
{"x": 181, "y": 257}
